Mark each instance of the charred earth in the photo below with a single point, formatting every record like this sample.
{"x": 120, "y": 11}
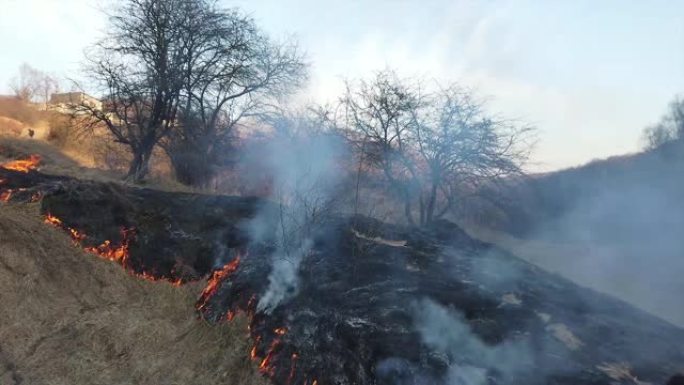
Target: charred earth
{"x": 373, "y": 303}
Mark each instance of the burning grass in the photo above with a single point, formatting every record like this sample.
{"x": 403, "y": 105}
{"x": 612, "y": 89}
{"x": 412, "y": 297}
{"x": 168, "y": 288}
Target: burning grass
{"x": 118, "y": 251}
{"x": 215, "y": 281}
{"x": 329, "y": 337}
{"x": 265, "y": 362}
{"x": 115, "y": 252}
{"x": 23, "y": 165}
{"x": 80, "y": 320}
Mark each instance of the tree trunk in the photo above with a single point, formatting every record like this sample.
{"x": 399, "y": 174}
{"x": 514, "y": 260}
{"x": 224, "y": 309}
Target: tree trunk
{"x": 421, "y": 206}
{"x": 407, "y": 210}
{"x": 140, "y": 165}
{"x": 432, "y": 201}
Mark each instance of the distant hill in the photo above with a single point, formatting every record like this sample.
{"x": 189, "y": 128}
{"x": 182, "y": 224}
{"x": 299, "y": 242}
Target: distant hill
{"x": 622, "y": 219}
{"x": 619, "y": 191}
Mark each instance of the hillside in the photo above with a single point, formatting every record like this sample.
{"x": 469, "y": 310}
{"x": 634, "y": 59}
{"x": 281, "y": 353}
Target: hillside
{"x": 70, "y": 318}
{"x": 377, "y": 303}
{"x": 77, "y": 319}
{"x": 614, "y": 225}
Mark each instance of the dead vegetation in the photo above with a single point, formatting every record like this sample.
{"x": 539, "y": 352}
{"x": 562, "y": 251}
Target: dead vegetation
{"x": 70, "y": 318}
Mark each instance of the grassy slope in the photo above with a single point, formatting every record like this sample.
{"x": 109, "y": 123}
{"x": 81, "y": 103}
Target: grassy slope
{"x": 613, "y": 225}
{"x": 71, "y": 318}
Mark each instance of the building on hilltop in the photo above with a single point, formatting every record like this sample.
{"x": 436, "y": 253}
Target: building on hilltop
{"x": 66, "y": 102}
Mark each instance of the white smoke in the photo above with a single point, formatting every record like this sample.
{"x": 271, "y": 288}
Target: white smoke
{"x": 303, "y": 166}
{"x": 284, "y": 279}
{"x": 470, "y": 359}
{"x": 619, "y": 231}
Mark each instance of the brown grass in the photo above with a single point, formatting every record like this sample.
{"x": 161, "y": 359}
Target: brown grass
{"x": 11, "y": 127}
{"x": 71, "y": 318}
{"x": 54, "y": 160}
{"x": 77, "y": 164}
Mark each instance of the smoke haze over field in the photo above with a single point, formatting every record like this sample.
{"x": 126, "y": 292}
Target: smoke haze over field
{"x": 447, "y": 332}
{"x": 616, "y": 226}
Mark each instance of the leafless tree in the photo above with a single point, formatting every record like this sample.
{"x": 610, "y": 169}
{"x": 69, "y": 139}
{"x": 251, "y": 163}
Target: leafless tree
{"x": 379, "y": 116}
{"x": 182, "y": 74}
{"x": 432, "y": 146}
{"x": 141, "y": 69}
{"x": 460, "y": 147}
{"x": 233, "y": 71}
{"x": 33, "y": 85}
{"x": 669, "y": 129}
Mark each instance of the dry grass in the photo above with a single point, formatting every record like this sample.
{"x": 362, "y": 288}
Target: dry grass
{"x": 71, "y": 318}
{"x": 55, "y": 161}
{"x": 76, "y": 164}
{"x": 11, "y": 127}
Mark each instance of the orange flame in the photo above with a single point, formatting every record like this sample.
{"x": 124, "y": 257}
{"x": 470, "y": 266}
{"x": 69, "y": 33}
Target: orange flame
{"x": 293, "y": 367}
{"x": 264, "y": 367}
{"x": 215, "y": 281}
{"x": 106, "y": 250}
{"x": 23, "y": 165}
{"x": 5, "y": 196}
{"x": 115, "y": 253}
{"x": 120, "y": 254}
{"x": 53, "y": 220}
{"x": 76, "y": 237}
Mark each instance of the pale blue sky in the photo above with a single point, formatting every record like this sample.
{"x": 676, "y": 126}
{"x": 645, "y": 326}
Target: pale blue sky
{"x": 589, "y": 74}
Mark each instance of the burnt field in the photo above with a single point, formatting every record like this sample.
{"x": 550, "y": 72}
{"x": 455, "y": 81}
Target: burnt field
{"x": 374, "y": 303}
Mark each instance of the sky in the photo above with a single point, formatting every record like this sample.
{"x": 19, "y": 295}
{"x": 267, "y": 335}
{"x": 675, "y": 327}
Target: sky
{"x": 590, "y": 75}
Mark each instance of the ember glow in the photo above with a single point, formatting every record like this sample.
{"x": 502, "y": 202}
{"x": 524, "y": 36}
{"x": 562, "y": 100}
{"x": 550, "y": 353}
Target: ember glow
{"x": 118, "y": 253}
{"x": 264, "y": 366}
{"x": 271, "y": 353}
{"x": 268, "y": 351}
{"x": 293, "y": 367}
{"x": 5, "y": 196}
{"x": 115, "y": 253}
{"x": 23, "y": 165}
{"x": 214, "y": 283}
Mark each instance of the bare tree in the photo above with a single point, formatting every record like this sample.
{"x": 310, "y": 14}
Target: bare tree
{"x": 669, "y": 129}
{"x": 379, "y": 115}
{"x": 33, "y": 85}
{"x": 233, "y": 71}
{"x": 182, "y": 74}
{"x": 48, "y": 85}
{"x": 140, "y": 69}
{"x": 432, "y": 147}
{"x": 460, "y": 148}
{"x": 25, "y": 84}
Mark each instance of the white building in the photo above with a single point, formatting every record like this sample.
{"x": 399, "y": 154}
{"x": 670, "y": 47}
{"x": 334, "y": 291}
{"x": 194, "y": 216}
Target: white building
{"x": 67, "y": 102}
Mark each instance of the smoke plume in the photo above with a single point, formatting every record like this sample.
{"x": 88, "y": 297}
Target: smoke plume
{"x": 304, "y": 174}
{"x": 470, "y": 360}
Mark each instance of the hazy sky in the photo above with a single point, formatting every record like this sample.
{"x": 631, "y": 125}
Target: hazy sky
{"x": 589, "y": 74}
